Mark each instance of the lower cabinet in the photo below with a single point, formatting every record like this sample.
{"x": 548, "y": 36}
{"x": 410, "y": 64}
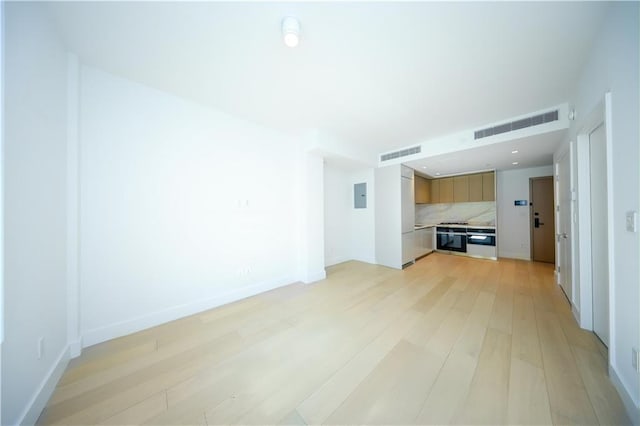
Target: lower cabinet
{"x": 408, "y": 247}
{"x": 423, "y": 240}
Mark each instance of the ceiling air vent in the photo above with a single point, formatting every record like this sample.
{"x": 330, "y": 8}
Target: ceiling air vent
{"x": 401, "y": 153}
{"x": 523, "y": 123}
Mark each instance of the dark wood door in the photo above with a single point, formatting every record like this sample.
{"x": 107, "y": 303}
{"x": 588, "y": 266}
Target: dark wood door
{"x": 542, "y": 220}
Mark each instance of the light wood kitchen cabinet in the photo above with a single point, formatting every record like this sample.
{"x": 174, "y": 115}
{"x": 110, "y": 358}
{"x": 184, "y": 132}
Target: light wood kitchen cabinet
{"x": 435, "y": 191}
{"x": 475, "y": 187}
{"x": 423, "y": 190}
{"x": 461, "y": 189}
{"x": 457, "y": 189}
{"x": 446, "y": 190}
{"x": 488, "y": 186}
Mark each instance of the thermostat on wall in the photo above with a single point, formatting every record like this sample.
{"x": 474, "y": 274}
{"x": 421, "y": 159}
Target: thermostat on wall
{"x": 520, "y": 203}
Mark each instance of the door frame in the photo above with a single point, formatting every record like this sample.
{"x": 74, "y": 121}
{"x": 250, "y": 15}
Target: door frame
{"x": 531, "y": 216}
{"x": 567, "y": 150}
{"x": 601, "y": 114}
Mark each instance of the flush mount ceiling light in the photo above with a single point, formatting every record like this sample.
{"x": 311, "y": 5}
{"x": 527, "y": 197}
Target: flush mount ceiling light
{"x": 291, "y": 31}
{"x": 515, "y": 163}
{"x": 515, "y": 151}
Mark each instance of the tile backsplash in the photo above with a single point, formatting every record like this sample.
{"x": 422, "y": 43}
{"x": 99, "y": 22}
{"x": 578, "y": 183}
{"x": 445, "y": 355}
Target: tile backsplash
{"x": 480, "y": 212}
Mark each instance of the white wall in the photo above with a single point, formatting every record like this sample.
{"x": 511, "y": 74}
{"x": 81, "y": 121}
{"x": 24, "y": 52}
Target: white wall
{"x": 34, "y": 214}
{"x": 337, "y": 215}
{"x": 363, "y": 226}
{"x": 181, "y": 207}
{"x": 613, "y": 66}
{"x": 388, "y": 220}
{"x": 513, "y": 221}
{"x": 349, "y": 232}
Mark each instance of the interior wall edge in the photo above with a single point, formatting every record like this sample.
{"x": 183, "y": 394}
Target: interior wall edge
{"x": 39, "y": 399}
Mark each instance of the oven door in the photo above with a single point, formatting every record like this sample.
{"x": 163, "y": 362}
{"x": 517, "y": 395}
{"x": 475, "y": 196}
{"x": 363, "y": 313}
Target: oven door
{"x": 481, "y": 237}
{"x": 450, "y": 240}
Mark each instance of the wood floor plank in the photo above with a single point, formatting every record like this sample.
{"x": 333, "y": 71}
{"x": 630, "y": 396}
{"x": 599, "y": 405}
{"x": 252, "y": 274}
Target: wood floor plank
{"x": 525, "y": 342}
{"x": 486, "y": 402}
{"x": 325, "y": 400}
{"x": 528, "y": 399}
{"x": 449, "y": 390}
{"x": 606, "y": 402}
{"x": 447, "y": 340}
{"x": 140, "y": 412}
{"x": 568, "y": 397}
{"x": 394, "y": 391}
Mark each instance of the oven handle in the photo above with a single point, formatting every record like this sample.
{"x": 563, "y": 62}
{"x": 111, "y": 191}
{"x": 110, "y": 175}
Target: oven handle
{"x": 451, "y": 233}
{"x": 479, "y": 237}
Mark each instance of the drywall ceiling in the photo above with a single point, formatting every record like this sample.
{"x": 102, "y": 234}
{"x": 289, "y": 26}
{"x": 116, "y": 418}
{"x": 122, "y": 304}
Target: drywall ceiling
{"x": 381, "y": 75}
{"x": 532, "y": 151}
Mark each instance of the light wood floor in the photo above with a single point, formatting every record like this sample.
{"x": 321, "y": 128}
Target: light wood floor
{"x": 448, "y": 340}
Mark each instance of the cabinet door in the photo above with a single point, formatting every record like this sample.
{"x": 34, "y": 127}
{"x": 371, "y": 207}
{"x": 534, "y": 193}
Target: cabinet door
{"x": 408, "y": 247}
{"x": 475, "y": 187}
{"x": 488, "y": 187}
{"x": 427, "y": 191}
{"x": 429, "y": 239}
{"x": 421, "y": 190}
{"x": 446, "y": 190}
{"x": 461, "y": 189}
{"x": 419, "y": 243}
{"x": 435, "y": 191}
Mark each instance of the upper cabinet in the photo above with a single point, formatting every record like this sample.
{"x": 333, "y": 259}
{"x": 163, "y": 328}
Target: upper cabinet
{"x": 422, "y": 190}
{"x": 446, "y": 190}
{"x": 457, "y": 189}
{"x": 435, "y": 191}
{"x": 475, "y": 187}
{"x": 461, "y": 189}
{"x": 489, "y": 186}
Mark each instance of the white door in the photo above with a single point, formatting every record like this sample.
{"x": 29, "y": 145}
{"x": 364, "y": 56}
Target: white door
{"x": 563, "y": 184}
{"x": 599, "y": 236}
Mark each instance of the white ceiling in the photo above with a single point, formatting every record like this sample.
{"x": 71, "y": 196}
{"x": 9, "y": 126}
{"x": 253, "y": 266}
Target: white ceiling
{"x": 381, "y": 75}
{"x": 533, "y": 151}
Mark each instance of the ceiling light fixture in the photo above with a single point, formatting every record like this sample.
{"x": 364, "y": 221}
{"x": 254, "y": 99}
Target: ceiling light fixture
{"x": 291, "y": 31}
{"x": 437, "y": 174}
{"x": 515, "y": 151}
{"x": 515, "y": 163}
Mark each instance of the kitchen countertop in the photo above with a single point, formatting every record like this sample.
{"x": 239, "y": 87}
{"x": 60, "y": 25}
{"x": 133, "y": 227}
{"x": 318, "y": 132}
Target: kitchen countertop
{"x": 483, "y": 225}
{"x": 422, "y": 226}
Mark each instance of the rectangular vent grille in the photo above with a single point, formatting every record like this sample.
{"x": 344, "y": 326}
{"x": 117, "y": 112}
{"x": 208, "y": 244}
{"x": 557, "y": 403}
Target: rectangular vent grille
{"x": 547, "y": 117}
{"x": 401, "y": 153}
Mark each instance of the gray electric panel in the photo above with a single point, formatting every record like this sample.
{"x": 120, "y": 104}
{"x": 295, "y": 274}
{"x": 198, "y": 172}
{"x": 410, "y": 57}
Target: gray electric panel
{"x": 360, "y": 195}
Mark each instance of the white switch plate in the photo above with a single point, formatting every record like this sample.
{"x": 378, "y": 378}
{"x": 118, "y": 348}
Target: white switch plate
{"x": 632, "y": 221}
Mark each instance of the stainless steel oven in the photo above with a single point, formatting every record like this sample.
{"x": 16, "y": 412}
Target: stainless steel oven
{"x": 451, "y": 238}
{"x": 481, "y": 242}
{"x": 481, "y": 237}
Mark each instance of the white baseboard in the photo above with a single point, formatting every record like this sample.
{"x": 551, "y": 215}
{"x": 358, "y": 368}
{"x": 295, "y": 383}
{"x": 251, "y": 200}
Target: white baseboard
{"x": 335, "y": 261}
{"x": 39, "y": 399}
{"x": 632, "y": 407}
{"x": 514, "y": 255}
{"x": 112, "y": 331}
{"x": 367, "y": 259}
{"x": 576, "y": 313}
{"x": 311, "y": 277}
{"x": 75, "y": 348}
